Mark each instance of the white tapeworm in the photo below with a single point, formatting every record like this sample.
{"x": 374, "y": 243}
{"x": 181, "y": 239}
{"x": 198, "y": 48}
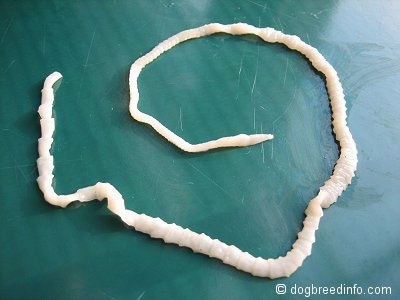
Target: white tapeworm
{"x": 172, "y": 233}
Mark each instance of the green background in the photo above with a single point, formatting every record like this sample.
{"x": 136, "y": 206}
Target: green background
{"x": 252, "y": 197}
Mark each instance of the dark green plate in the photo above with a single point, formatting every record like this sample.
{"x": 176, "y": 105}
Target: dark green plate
{"x": 252, "y": 197}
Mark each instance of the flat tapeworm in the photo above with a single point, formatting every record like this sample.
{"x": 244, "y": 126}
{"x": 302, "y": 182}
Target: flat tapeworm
{"x": 184, "y": 237}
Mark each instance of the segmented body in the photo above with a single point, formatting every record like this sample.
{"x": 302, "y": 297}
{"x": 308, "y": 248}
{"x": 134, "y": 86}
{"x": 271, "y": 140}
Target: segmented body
{"x": 172, "y": 233}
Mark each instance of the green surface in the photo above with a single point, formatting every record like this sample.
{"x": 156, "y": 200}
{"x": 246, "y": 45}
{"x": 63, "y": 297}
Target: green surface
{"x": 252, "y": 197}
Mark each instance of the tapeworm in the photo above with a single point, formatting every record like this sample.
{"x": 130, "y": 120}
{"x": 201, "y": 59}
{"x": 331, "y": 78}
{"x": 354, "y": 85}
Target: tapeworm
{"x": 171, "y": 233}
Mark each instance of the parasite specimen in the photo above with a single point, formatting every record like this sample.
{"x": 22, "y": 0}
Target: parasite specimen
{"x": 282, "y": 266}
